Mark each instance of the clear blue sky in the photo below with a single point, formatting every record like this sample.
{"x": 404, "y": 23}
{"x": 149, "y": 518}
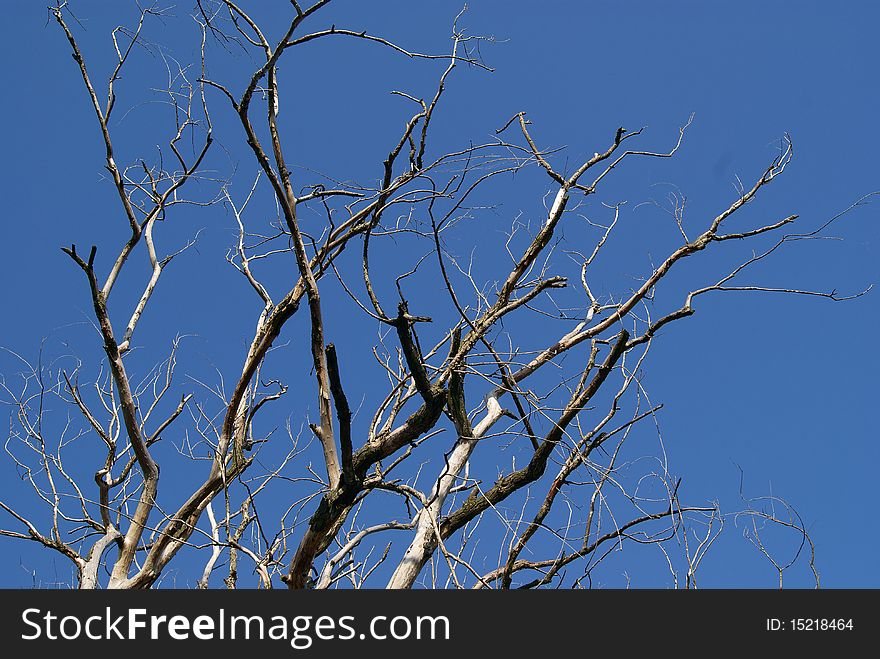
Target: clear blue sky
{"x": 782, "y": 387}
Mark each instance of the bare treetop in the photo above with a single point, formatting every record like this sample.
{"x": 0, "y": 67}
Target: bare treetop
{"x": 498, "y": 438}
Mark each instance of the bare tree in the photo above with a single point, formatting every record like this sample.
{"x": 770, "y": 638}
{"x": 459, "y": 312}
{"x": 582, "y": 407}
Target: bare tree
{"x": 525, "y": 360}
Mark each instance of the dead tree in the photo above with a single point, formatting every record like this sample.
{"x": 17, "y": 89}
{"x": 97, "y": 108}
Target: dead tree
{"x": 471, "y": 368}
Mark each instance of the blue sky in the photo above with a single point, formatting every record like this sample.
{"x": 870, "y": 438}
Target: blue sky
{"x": 782, "y": 388}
